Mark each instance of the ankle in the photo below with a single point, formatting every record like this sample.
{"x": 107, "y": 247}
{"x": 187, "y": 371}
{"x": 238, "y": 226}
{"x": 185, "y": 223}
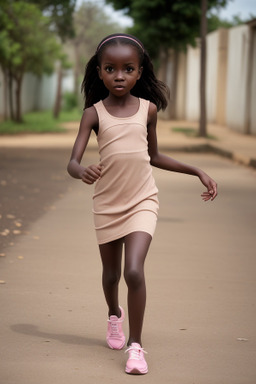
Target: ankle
{"x": 133, "y": 340}
{"x": 115, "y": 312}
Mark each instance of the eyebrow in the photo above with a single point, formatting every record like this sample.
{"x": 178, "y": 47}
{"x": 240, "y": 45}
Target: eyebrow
{"x": 129, "y": 63}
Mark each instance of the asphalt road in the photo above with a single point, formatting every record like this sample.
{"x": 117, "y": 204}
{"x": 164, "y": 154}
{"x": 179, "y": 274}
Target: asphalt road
{"x": 200, "y": 318}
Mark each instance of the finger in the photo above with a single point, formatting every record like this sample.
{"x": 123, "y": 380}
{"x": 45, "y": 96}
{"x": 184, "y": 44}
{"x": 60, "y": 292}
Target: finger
{"x": 96, "y": 171}
{"x": 89, "y": 178}
{"x": 93, "y": 174}
{"x": 206, "y": 196}
{"x": 215, "y": 193}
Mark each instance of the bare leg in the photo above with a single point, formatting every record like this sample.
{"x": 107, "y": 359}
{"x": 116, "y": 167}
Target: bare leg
{"x": 136, "y": 248}
{"x": 111, "y": 256}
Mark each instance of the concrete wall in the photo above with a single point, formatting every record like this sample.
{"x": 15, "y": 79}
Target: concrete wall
{"x": 238, "y": 48}
{"x": 192, "y": 84}
{"x": 215, "y": 85}
{"x": 38, "y": 93}
{"x": 252, "y": 84}
{"x": 230, "y": 79}
{"x": 221, "y": 76}
{"x": 180, "y": 110}
{"x": 212, "y": 75}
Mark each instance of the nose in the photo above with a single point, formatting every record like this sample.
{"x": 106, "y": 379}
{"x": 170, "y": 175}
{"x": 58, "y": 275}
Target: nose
{"x": 119, "y": 76}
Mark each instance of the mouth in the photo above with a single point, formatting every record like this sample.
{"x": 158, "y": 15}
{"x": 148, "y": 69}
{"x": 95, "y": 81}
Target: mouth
{"x": 119, "y": 87}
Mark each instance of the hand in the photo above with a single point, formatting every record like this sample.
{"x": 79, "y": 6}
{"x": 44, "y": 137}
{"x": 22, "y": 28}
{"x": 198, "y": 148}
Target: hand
{"x": 91, "y": 174}
{"x": 211, "y": 186}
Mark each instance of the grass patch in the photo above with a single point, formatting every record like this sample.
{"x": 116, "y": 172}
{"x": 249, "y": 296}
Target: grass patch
{"x": 73, "y": 115}
{"x": 39, "y": 122}
{"x": 191, "y": 132}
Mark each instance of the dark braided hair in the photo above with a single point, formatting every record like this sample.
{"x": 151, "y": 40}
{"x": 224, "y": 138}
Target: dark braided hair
{"x": 147, "y": 87}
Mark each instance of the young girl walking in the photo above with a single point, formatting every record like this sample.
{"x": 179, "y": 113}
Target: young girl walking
{"x": 122, "y": 97}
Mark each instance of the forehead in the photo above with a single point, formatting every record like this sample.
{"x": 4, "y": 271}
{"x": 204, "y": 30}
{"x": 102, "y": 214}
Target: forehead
{"x": 120, "y": 53}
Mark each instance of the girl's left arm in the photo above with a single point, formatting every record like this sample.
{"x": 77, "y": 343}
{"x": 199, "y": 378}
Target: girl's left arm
{"x": 165, "y": 162}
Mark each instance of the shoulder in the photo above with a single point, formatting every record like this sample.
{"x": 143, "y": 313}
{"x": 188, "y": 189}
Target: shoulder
{"x": 91, "y": 113}
{"x": 90, "y": 118}
{"x": 152, "y": 113}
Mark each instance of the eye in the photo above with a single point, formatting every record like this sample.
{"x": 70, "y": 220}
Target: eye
{"x": 109, "y": 69}
{"x": 129, "y": 69}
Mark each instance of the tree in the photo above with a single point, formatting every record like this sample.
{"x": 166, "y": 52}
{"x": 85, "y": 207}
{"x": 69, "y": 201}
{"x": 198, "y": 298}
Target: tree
{"x": 61, "y": 17}
{"x": 214, "y": 22}
{"x": 91, "y": 25}
{"x": 165, "y": 24}
{"x": 203, "y": 32}
{"x": 26, "y": 45}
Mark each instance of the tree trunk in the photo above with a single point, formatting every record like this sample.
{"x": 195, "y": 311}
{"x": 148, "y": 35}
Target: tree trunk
{"x": 76, "y": 50}
{"x": 203, "y": 113}
{"x": 18, "y": 99}
{"x": 57, "y": 105}
{"x": 10, "y": 81}
{"x": 5, "y": 72}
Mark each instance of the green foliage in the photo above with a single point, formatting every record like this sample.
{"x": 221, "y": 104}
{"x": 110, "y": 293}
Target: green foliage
{"x": 190, "y": 132}
{"x": 69, "y": 101}
{"x": 61, "y": 15}
{"x": 91, "y": 25}
{"x": 26, "y": 44}
{"x": 39, "y": 122}
{"x": 163, "y": 24}
{"x": 214, "y": 22}
{"x": 34, "y": 122}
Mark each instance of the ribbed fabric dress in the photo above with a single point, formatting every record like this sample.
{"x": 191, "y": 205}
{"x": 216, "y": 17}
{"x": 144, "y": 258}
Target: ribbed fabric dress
{"x": 125, "y": 197}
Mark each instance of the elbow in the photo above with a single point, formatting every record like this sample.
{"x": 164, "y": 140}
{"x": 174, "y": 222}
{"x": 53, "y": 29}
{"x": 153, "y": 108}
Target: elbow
{"x": 70, "y": 169}
{"x": 154, "y": 160}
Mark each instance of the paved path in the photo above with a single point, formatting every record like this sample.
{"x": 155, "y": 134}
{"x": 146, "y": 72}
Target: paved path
{"x": 200, "y": 318}
{"x": 236, "y": 146}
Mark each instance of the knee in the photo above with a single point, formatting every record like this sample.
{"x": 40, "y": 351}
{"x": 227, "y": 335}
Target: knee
{"x": 110, "y": 278}
{"x": 134, "y": 279}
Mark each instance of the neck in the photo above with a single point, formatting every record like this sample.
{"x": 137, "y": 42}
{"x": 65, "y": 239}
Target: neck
{"x": 120, "y": 101}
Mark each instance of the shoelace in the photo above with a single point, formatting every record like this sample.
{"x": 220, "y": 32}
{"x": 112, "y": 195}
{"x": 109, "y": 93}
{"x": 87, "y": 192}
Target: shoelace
{"x": 114, "y": 327}
{"x": 135, "y": 352}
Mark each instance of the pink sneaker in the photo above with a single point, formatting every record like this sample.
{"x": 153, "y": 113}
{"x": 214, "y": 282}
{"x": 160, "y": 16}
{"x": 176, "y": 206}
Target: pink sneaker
{"x": 115, "y": 335}
{"x": 136, "y": 363}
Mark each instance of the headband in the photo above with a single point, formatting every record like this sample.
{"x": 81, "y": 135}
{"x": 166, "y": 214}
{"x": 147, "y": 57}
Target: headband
{"x": 120, "y": 36}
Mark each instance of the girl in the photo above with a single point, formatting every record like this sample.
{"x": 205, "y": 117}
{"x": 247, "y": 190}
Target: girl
{"x": 122, "y": 97}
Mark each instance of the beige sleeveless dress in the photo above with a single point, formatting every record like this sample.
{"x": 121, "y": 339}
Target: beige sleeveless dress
{"x": 125, "y": 197}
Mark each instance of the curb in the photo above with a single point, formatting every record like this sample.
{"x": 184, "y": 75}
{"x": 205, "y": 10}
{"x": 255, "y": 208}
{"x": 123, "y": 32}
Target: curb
{"x": 209, "y": 148}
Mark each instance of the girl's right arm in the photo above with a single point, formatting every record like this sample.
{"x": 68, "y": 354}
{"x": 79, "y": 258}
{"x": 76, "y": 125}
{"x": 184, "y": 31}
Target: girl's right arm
{"x": 91, "y": 173}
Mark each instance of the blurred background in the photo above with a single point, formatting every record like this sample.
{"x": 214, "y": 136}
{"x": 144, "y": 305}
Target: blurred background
{"x": 204, "y": 50}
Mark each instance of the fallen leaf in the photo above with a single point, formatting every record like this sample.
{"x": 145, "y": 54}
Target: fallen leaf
{"x": 10, "y": 216}
{"x": 5, "y": 232}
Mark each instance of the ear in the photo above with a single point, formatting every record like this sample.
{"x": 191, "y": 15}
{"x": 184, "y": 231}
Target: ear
{"x": 140, "y": 73}
{"x": 99, "y": 72}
